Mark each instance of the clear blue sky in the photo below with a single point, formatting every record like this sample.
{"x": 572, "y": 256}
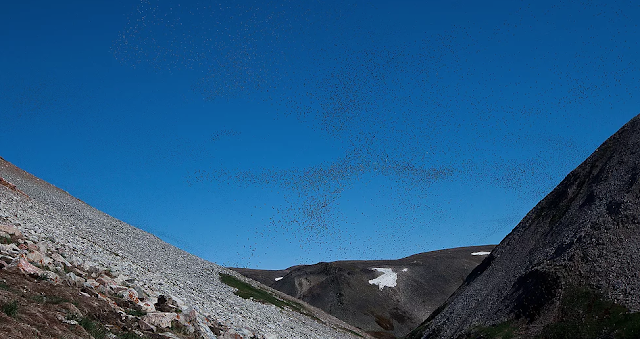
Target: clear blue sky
{"x": 273, "y": 133}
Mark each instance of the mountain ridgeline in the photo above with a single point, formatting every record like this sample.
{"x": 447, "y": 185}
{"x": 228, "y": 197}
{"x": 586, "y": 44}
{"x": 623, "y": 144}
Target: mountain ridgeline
{"x": 385, "y": 305}
{"x": 570, "y": 268}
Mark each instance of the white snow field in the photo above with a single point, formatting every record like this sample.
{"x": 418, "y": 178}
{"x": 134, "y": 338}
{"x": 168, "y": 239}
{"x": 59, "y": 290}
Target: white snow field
{"x": 387, "y": 279}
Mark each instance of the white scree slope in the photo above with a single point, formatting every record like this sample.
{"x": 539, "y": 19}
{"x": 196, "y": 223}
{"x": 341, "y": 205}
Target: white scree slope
{"x": 97, "y": 239}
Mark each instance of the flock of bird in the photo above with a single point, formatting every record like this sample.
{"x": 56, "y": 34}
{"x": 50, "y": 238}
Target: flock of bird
{"x": 478, "y": 102}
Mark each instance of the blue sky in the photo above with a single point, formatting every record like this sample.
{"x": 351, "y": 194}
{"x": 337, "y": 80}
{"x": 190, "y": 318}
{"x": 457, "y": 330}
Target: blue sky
{"x": 273, "y": 133}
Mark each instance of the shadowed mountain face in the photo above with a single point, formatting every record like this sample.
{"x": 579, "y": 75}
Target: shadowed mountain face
{"x": 578, "y": 246}
{"x": 387, "y": 298}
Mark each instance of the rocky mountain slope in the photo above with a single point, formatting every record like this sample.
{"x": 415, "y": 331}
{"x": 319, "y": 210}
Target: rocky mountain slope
{"x": 42, "y": 295}
{"x": 386, "y": 298}
{"x": 570, "y": 269}
{"x": 140, "y": 286}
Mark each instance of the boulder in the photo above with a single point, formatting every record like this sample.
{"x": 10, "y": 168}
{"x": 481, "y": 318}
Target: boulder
{"x": 181, "y": 304}
{"x": 105, "y": 281}
{"x": 205, "y": 331}
{"x": 11, "y": 249}
{"x": 165, "y": 304}
{"x": 31, "y": 246}
{"x": 90, "y": 283}
{"x": 160, "y": 319}
{"x": 188, "y": 316}
{"x": 145, "y": 326}
{"x": 60, "y": 259}
{"x": 117, "y": 289}
{"x": 26, "y": 267}
{"x": 74, "y": 280}
{"x": 130, "y": 294}
{"x": 147, "y": 304}
{"x": 102, "y": 296}
{"x": 120, "y": 279}
{"x": 38, "y": 258}
{"x": 238, "y": 333}
{"x": 11, "y": 230}
{"x": 141, "y": 294}
{"x": 42, "y": 246}
{"x": 54, "y": 278}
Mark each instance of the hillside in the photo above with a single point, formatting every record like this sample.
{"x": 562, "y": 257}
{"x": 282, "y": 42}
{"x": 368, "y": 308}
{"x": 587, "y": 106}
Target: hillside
{"x": 386, "y": 298}
{"x": 570, "y": 268}
{"x": 53, "y": 224}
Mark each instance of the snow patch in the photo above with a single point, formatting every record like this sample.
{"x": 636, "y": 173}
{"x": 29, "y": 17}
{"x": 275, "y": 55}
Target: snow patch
{"x": 405, "y": 269}
{"x": 278, "y": 278}
{"x": 387, "y": 279}
{"x": 480, "y": 253}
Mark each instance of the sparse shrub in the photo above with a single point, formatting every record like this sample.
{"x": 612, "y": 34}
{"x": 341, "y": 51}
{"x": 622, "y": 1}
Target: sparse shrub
{"x": 248, "y": 291}
{"x": 129, "y": 335}
{"x": 135, "y": 313}
{"x": 11, "y": 308}
{"x": 41, "y": 299}
{"x": 54, "y": 299}
{"x": 177, "y": 327}
{"x": 94, "y": 328}
{"x": 585, "y": 313}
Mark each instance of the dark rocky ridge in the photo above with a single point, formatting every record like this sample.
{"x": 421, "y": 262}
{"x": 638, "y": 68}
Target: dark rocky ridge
{"x": 585, "y": 233}
{"x": 343, "y": 290}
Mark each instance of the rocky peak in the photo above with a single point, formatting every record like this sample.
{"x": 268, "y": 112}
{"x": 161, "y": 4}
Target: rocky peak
{"x": 584, "y": 234}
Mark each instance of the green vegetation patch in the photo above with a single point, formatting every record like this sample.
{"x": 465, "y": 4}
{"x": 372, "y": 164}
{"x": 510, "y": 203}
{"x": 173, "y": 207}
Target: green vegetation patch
{"x": 40, "y": 299}
{"x": 584, "y": 313}
{"x": 129, "y": 335}
{"x": 135, "y": 313}
{"x": 52, "y": 299}
{"x": 94, "y": 328}
{"x": 248, "y": 291}
{"x": 11, "y": 308}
